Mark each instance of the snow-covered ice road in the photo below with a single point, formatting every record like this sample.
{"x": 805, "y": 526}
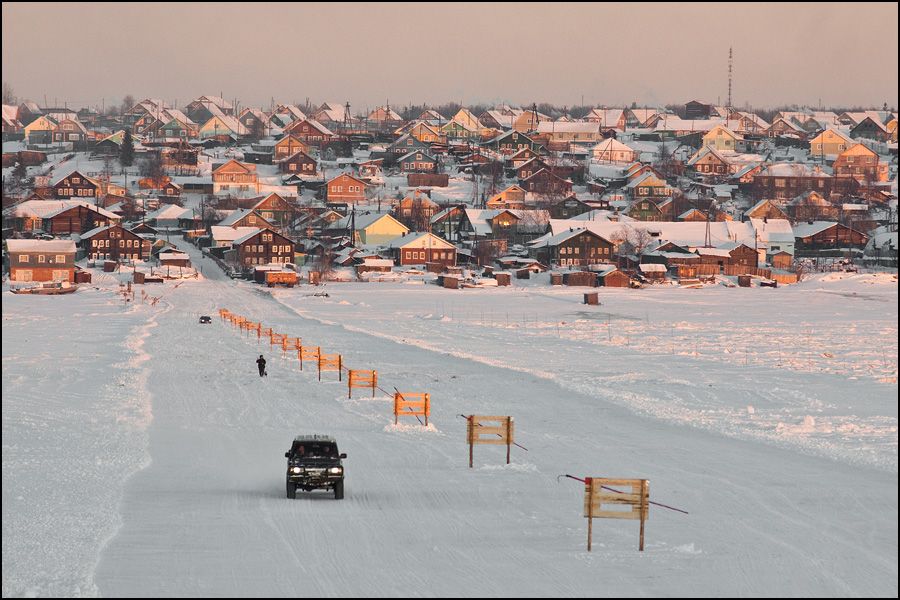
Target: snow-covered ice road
{"x": 204, "y": 512}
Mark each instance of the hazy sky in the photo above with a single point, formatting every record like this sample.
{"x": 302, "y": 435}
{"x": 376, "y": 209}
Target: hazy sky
{"x": 79, "y": 53}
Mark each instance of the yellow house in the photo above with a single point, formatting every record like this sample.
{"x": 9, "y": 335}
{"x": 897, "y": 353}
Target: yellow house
{"x": 512, "y": 197}
{"x": 465, "y": 118}
{"x": 829, "y": 143}
{"x": 722, "y": 138}
{"x": 40, "y": 131}
{"x": 222, "y": 125}
{"x": 374, "y": 228}
{"x": 427, "y": 134}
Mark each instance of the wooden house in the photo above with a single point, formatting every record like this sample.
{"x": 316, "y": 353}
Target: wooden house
{"x": 40, "y": 130}
{"x": 262, "y": 247}
{"x": 765, "y": 209}
{"x": 545, "y": 182}
{"x": 254, "y": 120}
{"x": 861, "y": 163}
{"x": 512, "y": 142}
{"x": 171, "y": 190}
{"x": 613, "y": 151}
{"x": 697, "y": 110}
{"x": 652, "y": 209}
{"x": 114, "y": 242}
{"x": 577, "y": 132}
{"x": 520, "y": 158}
{"x": 222, "y": 127}
{"x": 511, "y": 197}
{"x": 288, "y": 146}
{"x": 276, "y": 210}
{"x": 417, "y": 162}
{"x": 235, "y": 176}
{"x": 872, "y": 129}
{"x": 811, "y": 205}
{"x": 406, "y": 144}
{"x": 649, "y": 185}
{"x": 245, "y": 217}
{"x": 57, "y": 217}
{"x": 783, "y": 181}
{"x": 420, "y": 248}
{"x": 310, "y": 131}
{"x": 568, "y": 207}
{"x": 458, "y": 131}
{"x": 825, "y": 235}
{"x": 427, "y": 134}
{"x": 41, "y": 260}
{"x": 369, "y": 228}
{"x": 781, "y": 260}
{"x": 829, "y": 144}
{"x": 415, "y": 211}
{"x": 346, "y": 188}
{"x": 574, "y": 247}
{"x": 786, "y": 128}
{"x": 300, "y": 163}
{"x": 721, "y": 138}
{"x": 76, "y": 185}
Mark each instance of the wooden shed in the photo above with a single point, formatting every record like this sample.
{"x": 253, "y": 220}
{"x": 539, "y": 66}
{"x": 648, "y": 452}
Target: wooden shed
{"x": 614, "y": 278}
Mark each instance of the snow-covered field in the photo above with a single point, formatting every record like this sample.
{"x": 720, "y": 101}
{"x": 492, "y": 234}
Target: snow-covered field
{"x": 142, "y": 454}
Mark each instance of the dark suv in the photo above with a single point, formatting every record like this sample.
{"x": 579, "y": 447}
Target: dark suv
{"x": 205, "y": 319}
{"x": 314, "y": 464}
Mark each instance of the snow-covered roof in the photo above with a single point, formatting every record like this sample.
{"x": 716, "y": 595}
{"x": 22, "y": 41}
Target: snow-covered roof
{"x": 235, "y": 216}
{"x": 611, "y": 145}
{"x": 792, "y": 170}
{"x": 40, "y": 246}
{"x": 362, "y": 221}
{"x": 246, "y": 236}
{"x": 171, "y": 211}
{"x": 222, "y": 233}
{"x": 419, "y": 239}
{"x": 806, "y": 229}
{"x": 568, "y": 127}
{"x": 652, "y": 268}
{"x": 46, "y": 209}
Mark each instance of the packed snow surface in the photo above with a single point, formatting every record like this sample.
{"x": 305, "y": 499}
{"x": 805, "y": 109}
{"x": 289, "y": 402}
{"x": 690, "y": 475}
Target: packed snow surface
{"x": 144, "y": 456}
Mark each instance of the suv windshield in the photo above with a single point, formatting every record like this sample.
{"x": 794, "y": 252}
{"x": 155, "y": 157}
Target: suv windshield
{"x": 313, "y": 450}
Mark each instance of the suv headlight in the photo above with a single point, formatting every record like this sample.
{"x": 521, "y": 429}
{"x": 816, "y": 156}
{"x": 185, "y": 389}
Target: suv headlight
{"x": 336, "y": 470}
{"x": 296, "y": 470}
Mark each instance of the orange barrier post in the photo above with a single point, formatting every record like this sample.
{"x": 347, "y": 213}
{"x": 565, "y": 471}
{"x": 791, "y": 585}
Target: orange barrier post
{"x": 413, "y": 404}
{"x": 361, "y": 379}
{"x": 636, "y": 503}
{"x": 502, "y": 432}
{"x": 330, "y": 362}
{"x": 308, "y": 353}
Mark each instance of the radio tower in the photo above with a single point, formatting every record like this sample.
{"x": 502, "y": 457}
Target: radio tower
{"x": 348, "y": 121}
{"x": 729, "y": 79}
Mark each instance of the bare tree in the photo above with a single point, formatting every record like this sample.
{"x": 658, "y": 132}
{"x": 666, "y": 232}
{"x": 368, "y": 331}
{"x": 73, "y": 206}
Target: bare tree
{"x": 152, "y": 168}
{"x": 324, "y": 264}
{"x": 9, "y": 96}
{"x": 631, "y": 240}
{"x": 127, "y": 103}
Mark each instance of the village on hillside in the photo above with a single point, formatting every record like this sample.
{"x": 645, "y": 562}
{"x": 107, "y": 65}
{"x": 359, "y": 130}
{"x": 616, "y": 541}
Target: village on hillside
{"x": 690, "y": 195}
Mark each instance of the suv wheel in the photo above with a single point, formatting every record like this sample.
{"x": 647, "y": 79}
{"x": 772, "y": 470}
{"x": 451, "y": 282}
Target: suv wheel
{"x": 339, "y": 490}
{"x": 291, "y": 490}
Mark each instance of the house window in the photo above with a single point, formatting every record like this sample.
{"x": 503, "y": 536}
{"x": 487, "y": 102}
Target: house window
{"x": 42, "y": 258}
{"x": 94, "y": 243}
{"x": 60, "y": 258}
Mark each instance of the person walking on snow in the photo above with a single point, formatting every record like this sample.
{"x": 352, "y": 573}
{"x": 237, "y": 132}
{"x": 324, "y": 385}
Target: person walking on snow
{"x": 261, "y": 363}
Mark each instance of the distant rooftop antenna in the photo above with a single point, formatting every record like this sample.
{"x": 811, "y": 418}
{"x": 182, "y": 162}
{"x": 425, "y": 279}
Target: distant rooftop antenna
{"x": 730, "y": 57}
